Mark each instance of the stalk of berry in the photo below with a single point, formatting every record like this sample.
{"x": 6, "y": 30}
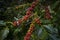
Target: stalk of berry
{"x": 28, "y": 14}
{"x": 28, "y": 34}
{"x": 47, "y": 13}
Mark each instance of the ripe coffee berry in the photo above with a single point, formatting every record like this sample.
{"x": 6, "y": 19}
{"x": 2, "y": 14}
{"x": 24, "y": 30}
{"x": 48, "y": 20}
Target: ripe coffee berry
{"x": 32, "y": 6}
{"x": 26, "y": 38}
{"x": 28, "y": 12}
{"x": 30, "y": 9}
{"x": 20, "y": 21}
{"x": 25, "y": 17}
{"x": 28, "y": 34}
{"x": 37, "y": 21}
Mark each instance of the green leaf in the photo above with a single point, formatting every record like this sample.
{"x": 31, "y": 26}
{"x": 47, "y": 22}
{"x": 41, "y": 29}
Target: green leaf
{"x": 49, "y": 28}
{"x": 40, "y": 32}
{"x": 54, "y": 37}
{"x": 44, "y": 35}
{"x": 4, "y": 33}
{"x": 2, "y": 23}
{"x": 55, "y": 4}
{"x": 17, "y": 30}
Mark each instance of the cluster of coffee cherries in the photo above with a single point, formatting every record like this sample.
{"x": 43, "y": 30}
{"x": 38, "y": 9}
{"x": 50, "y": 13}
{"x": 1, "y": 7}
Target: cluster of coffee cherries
{"x": 31, "y": 29}
{"x": 28, "y": 34}
{"x": 28, "y": 14}
{"x": 47, "y": 15}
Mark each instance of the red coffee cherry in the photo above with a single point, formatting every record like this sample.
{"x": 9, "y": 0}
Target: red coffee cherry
{"x": 33, "y": 6}
{"x": 25, "y": 17}
{"x": 28, "y": 34}
{"x": 26, "y": 38}
{"x": 28, "y": 13}
{"x": 37, "y": 21}
{"x": 31, "y": 9}
{"x": 20, "y": 21}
